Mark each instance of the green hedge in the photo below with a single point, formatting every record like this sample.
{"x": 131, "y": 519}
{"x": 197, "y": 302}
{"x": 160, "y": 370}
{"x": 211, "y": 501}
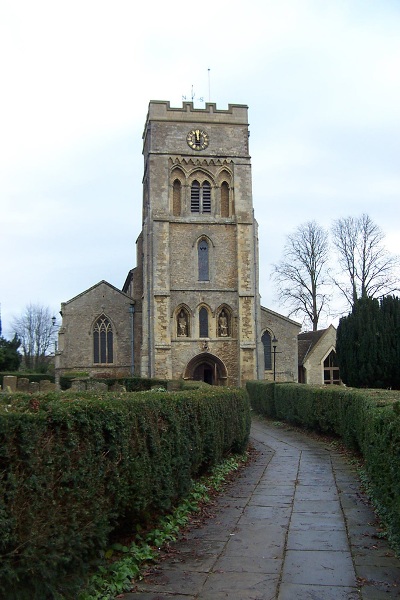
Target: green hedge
{"x": 366, "y": 420}
{"x": 73, "y": 467}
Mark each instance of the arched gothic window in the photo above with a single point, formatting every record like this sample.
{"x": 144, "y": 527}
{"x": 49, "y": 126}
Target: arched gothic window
{"x": 203, "y": 260}
{"x": 203, "y": 322}
{"x": 266, "y": 342}
{"x": 224, "y": 200}
{"x": 103, "y": 341}
{"x": 176, "y": 198}
{"x": 200, "y": 197}
{"x": 331, "y": 369}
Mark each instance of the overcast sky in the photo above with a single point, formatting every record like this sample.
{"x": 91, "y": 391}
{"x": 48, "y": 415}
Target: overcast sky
{"x": 321, "y": 79}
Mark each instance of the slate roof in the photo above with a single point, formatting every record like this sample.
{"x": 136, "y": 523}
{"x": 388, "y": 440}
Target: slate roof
{"x": 306, "y": 342}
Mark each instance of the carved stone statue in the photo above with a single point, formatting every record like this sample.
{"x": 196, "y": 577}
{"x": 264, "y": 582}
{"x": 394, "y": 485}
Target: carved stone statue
{"x": 223, "y": 324}
{"x": 182, "y": 324}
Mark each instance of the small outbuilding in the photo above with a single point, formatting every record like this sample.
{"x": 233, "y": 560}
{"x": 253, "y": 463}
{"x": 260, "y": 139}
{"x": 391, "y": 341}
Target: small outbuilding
{"x": 317, "y": 357}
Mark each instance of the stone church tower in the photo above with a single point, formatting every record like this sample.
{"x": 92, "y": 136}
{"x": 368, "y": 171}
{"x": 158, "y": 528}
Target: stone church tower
{"x": 198, "y": 250}
{"x": 190, "y": 308}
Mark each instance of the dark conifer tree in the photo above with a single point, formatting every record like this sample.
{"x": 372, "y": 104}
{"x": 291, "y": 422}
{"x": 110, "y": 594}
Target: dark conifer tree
{"x": 368, "y": 344}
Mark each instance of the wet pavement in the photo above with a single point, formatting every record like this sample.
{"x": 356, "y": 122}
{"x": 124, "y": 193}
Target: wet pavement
{"x": 294, "y": 525}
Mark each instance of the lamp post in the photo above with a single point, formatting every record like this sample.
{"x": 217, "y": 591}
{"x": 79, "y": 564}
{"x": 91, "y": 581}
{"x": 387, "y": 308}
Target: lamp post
{"x": 274, "y": 344}
{"x": 55, "y": 327}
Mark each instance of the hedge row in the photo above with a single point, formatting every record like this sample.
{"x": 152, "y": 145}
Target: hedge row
{"x": 366, "y": 420}
{"x": 74, "y": 467}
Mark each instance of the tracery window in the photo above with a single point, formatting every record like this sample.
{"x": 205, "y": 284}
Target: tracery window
{"x": 203, "y": 260}
{"x": 176, "y": 198}
{"x": 200, "y": 197}
{"x": 266, "y": 342}
{"x": 103, "y": 341}
{"x": 203, "y": 322}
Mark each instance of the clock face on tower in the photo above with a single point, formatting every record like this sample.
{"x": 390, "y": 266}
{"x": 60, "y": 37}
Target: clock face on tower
{"x": 197, "y": 139}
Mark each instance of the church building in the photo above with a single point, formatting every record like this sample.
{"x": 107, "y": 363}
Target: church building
{"x": 191, "y": 307}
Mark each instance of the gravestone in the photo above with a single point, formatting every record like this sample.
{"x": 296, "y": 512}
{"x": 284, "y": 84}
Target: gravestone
{"x": 23, "y": 384}
{"x": 10, "y": 381}
{"x": 47, "y": 386}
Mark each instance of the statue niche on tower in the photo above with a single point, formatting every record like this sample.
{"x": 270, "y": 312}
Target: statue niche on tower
{"x": 183, "y": 324}
{"x": 223, "y": 324}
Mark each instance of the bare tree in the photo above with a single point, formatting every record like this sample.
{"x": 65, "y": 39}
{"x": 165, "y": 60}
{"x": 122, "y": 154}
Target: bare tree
{"x": 36, "y": 331}
{"x": 367, "y": 268}
{"x": 302, "y": 274}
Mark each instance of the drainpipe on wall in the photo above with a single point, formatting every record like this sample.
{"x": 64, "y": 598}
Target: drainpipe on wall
{"x": 132, "y": 312}
{"x": 256, "y": 294}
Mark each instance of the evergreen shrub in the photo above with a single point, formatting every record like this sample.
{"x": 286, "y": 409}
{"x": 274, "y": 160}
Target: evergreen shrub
{"x": 74, "y": 467}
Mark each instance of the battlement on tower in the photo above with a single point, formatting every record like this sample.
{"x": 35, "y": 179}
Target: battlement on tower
{"x": 161, "y": 110}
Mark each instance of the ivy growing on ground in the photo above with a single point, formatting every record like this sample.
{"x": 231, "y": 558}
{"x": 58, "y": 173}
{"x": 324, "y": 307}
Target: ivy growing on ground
{"x": 127, "y": 562}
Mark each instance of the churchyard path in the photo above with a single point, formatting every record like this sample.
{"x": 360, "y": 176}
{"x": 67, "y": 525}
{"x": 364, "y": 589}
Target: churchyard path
{"x": 295, "y": 525}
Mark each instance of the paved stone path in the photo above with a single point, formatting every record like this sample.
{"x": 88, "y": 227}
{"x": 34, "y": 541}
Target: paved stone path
{"x": 294, "y": 526}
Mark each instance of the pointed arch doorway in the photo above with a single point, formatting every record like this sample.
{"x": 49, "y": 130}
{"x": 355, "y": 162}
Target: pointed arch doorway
{"x": 208, "y": 368}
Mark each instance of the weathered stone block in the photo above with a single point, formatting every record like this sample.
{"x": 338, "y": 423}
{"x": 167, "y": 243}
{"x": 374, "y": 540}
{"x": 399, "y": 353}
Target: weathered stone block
{"x": 47, "y": 386}
{"x": 10, "y": 381}
{"x": 23, "y": 384}
{"x": 97, "y": 386}
{"x": 117, "y": 387}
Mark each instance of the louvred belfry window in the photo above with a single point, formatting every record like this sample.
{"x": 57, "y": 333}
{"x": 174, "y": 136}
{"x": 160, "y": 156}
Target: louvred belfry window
{"x": 206, "y": 197}
{"x": 195, "y": 197}
{"x": 200, "y": 197}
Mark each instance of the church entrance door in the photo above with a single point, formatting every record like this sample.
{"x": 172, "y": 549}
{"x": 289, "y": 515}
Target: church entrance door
{"x": 204, "y": 373}
{"x": 208, "y": 368}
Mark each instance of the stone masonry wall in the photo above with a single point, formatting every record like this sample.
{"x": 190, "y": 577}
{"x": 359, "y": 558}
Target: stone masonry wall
{"x": 76, "y": 338}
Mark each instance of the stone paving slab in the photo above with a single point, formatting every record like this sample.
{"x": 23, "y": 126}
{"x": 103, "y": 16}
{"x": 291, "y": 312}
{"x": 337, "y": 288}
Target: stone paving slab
{"x": 294, "y": 526}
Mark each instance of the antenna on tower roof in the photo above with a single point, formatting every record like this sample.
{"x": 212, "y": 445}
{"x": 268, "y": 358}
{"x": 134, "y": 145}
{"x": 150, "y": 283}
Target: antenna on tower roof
{"x": 209, "y": 86}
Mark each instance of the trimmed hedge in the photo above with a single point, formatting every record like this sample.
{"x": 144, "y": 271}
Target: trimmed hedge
{"x": 366, "y": 420}
{"x": 73, "y": 467}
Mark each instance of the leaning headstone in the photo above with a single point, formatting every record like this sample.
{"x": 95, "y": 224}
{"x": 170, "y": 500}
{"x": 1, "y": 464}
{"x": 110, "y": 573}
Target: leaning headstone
{"x": 47, "y": 386}
{"x": 23, "y": 384}
{"x": 10, "y": 381}
{"x": 33, "y": 387}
